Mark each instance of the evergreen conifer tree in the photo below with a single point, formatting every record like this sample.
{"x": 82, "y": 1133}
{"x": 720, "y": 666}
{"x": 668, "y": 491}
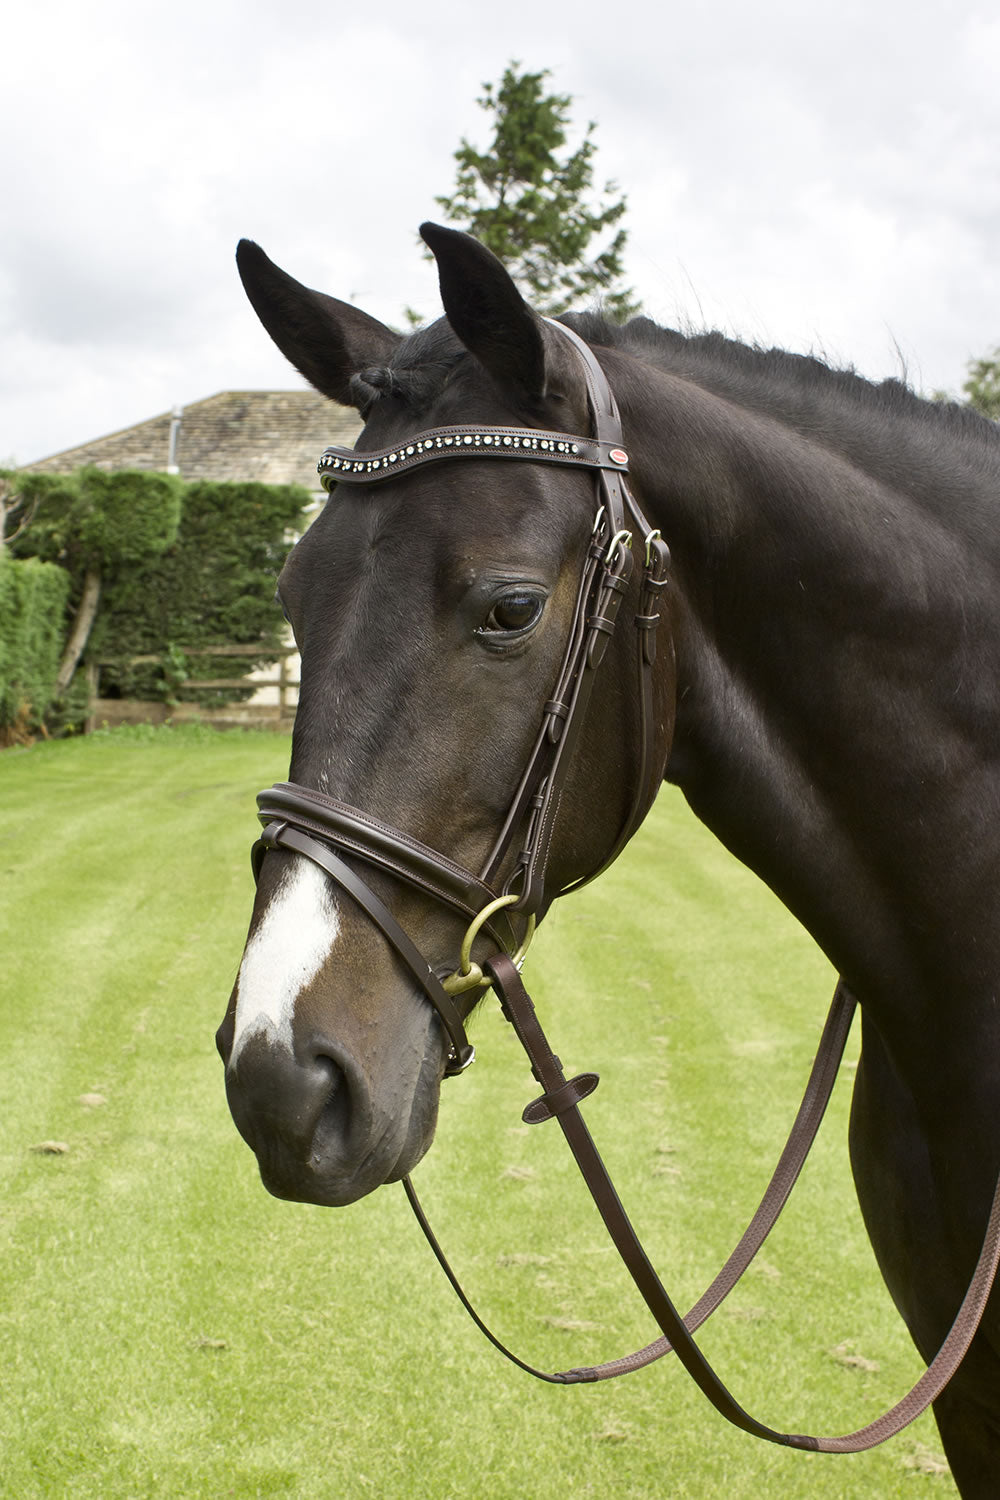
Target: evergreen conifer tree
{"x": 533, "y": 207}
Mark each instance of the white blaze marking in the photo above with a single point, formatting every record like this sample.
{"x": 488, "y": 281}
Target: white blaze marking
{"x": 288, "y": 949}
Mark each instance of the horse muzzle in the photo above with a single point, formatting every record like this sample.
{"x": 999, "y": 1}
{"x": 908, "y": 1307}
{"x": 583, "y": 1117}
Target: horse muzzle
{"x": 321, "y": 1128}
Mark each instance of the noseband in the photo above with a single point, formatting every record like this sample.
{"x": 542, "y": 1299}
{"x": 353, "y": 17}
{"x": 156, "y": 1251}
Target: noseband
{"x": 323, "y": 829}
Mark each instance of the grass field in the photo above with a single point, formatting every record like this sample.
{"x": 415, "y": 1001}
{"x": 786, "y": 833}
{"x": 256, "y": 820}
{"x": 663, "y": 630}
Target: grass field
{"x": 168, "y": 1330}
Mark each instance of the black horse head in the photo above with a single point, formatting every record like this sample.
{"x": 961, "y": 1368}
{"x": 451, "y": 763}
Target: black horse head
{"x": 433, "y": 612}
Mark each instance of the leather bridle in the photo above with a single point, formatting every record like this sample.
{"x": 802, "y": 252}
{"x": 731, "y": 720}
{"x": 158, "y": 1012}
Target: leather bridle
{"x": 322, "y": 829}
{"x": 308, "y": 822}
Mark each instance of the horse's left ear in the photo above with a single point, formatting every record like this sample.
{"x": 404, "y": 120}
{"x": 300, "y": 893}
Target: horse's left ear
{"x": 327, "y": 341}
{"x": 487, "y": 311}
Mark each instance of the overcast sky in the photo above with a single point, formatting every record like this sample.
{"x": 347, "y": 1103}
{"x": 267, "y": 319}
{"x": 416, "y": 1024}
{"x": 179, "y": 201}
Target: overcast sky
{"x": 826, "y": 178}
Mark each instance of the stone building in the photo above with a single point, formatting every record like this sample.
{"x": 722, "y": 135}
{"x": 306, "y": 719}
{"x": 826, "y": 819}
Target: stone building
{"x": 274, "y": 437}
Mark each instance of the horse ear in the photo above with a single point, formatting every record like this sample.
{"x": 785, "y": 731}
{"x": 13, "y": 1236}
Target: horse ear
{"x": 327, "y": 341}
{"x": 487, "y": 311}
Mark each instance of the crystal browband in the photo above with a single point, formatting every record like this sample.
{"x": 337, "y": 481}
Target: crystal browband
{"x": 469, "y": 442}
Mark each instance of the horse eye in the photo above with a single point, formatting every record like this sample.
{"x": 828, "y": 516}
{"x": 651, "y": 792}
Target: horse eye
{"x": 513, "y": 613}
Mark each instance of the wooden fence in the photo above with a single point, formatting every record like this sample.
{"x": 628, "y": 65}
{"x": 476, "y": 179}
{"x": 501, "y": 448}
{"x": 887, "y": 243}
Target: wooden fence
{"x": 249, "y": 714}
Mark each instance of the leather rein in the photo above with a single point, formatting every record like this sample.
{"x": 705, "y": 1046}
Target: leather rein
{"x": 322, "y": 829}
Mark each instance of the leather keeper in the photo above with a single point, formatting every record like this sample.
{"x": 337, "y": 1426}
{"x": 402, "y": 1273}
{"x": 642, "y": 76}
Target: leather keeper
{"x": 648, "y": 625}
{"x": 567, "y": 1096}
{"x": 556, "y": 713}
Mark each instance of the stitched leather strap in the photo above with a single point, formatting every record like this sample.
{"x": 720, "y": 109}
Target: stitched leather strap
{"x": 358, "y": 833}
{"x": 677, "y": 1331}
{"x": 567, "y": 1096}
{"x": 518, "y": 1009}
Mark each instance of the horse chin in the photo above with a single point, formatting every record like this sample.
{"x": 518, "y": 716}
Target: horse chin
{"x": 333, "y": 1183}
{"x": 306, "y": 1183}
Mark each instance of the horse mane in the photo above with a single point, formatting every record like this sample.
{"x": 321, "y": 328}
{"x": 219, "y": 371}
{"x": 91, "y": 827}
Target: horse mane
{"x": 945, "y": 457}
{"x": 942, "y": 453}
{"x": 762, "y": 378}
{"x": 750, "y": 374}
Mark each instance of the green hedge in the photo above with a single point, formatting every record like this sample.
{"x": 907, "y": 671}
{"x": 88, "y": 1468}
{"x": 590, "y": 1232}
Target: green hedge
{"x": 33, "y": 598}
{"x": 213, "y": 586}
{"x": 91, "y": 518}
{"x": 128, "y": 517}
{"x": 183, "y": 566}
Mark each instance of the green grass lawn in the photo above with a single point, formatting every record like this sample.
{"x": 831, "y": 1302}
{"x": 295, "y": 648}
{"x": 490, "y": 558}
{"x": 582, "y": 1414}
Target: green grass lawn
{"x": 168, "y": 1330}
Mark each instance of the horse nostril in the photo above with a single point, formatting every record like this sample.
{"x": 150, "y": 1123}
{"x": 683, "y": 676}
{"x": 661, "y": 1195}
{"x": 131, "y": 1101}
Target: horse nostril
{"x": 306, "y": 1105}
{"x": 324, "y": 1073}
{"x": 333, "y": 1120}
{"x": 273, "y": 1094}
{"x": 224, "y": 1036}
{"x": 348, "y": 1096}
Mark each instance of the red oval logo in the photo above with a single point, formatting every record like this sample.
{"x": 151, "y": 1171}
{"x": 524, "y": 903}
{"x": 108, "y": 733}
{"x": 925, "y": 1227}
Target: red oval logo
{"x": 618, "y": 456}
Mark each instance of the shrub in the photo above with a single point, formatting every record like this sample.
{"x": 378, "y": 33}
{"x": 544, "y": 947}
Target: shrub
{"x": 33, "y": 598}
{"x": 213, "y": 586}
{"x": 179, "y": 567}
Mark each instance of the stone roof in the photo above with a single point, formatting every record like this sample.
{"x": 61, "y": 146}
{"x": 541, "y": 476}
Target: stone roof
{"x": 271, "y": 436}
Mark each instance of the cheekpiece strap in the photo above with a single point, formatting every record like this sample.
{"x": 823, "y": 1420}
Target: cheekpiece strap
{"x": 438, "y": 443}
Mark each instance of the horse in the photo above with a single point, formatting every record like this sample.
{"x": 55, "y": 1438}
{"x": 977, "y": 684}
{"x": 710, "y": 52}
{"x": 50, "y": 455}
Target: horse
{"x": 824, "y": 692}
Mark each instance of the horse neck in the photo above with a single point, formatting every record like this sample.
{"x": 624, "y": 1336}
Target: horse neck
{"x": 834, "y": 632}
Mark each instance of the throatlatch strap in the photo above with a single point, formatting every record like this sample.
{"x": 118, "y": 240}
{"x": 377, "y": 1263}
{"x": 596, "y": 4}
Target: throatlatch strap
{"x": 558, "y": 1091}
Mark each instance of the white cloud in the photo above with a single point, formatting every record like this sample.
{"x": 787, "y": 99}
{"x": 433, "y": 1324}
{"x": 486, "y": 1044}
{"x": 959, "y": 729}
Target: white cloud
{"x": 813, "y": 178}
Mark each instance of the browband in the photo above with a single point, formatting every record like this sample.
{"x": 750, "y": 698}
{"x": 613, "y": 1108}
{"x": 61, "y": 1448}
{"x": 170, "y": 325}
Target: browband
{"x": 470, "y": 442}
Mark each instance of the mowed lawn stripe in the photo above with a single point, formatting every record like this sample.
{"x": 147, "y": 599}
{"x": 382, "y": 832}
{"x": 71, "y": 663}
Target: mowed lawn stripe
{"x": 168, "y": 1329}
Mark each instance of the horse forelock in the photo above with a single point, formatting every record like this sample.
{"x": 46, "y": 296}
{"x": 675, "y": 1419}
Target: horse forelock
{"x": 417, "y": 372}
